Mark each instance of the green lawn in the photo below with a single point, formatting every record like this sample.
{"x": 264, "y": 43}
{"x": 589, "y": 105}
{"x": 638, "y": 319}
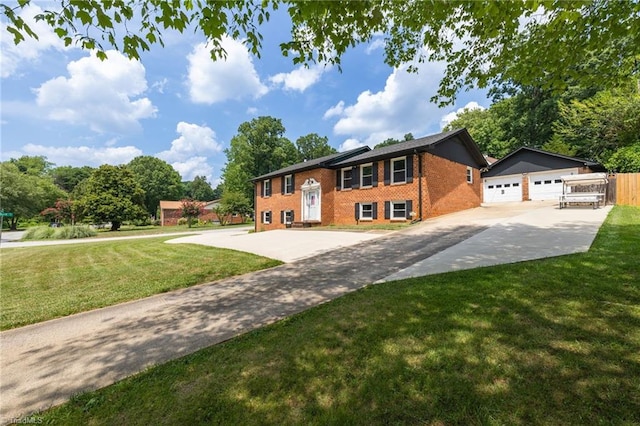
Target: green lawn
{"x": 129, "y": 230}
{"x": 554, "y": 341}
{"x": 41, "y": 283}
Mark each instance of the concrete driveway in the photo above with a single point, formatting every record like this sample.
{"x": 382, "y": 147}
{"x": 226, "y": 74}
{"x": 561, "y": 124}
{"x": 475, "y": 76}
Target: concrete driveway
{"x": 44, "y": 364}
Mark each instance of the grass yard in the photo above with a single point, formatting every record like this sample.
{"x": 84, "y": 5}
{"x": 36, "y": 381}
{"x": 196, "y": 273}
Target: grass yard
{"x": 129, "y": 230}
{"x": 554, "y": 341}
{"x": 41, "y": 283}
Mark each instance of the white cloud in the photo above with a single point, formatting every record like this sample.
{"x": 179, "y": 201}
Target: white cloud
{"x": 448, "y": 118}
{"x": 299, "y": 79}
{"x": 374, "y": 45}
{"x": 401, "y": 107}
{"x": 192, "y": 167}
{"x": 234, "y": 78}
{"x": 101, "y": 95}
{"x": 350, "y": 144}
{"x": 252, "y": 110}
{"x": 29, "y": 50}
{"x": 159, "y": 85}
{"x": 193, "y": 140}
{"x": 335, "y": 110}
{"x": 83, "y": 155}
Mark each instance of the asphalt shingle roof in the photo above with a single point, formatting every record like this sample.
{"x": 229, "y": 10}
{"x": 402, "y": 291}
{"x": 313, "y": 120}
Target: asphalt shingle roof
{"x": 325, "y": 161}
{"x": 401, "y": 148}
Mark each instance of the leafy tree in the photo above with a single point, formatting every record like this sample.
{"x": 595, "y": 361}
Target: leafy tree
{"x": 112, "y": 194}
{"x": 199, "y": 189}
{"x": 558, "y": 146}
{"x": 486, "y": 127}
{"x": 524, "y": 41}
{"x": 36, "y": 165}
{"x": 68, "y": 177}
{"x": 257, "y": 149}
{"x": 236, "y": 203}
{"x": 158, "y": 179}
{"x": 25, "y": 194}
{"x": 625, "y": 160}
{"x": 600, "y": 125}
{"x": 313, "y": 146}
{"x": 191, "y": 210}
{"x": 217, "y": 192}
{"x": 63, "y": 211}
{"x": 392, "y": 141}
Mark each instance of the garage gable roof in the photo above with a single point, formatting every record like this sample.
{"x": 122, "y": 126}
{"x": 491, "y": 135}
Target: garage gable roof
{"x": 530, "y": 160}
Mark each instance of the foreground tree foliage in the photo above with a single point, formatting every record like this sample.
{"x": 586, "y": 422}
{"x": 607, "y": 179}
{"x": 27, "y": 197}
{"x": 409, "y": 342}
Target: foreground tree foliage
{"x": 483, "y": 43}
{"x": 112, "y": 194}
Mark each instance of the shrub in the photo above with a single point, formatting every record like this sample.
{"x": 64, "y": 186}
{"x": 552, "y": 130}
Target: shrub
{"x": 71, "y": 232}
{"x": 38, "y": 233}
{"x": 64, "y": 233}
{"x": 182, "y": 221}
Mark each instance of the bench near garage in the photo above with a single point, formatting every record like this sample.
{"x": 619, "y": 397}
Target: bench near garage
{"x": 579, "y": 189}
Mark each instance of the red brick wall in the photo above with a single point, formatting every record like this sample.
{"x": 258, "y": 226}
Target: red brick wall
{"x": 345, "y": 200}
{"x": 171, "y": 217}
{"x": 278, "y": 202}
{"x": 444, "y": 190}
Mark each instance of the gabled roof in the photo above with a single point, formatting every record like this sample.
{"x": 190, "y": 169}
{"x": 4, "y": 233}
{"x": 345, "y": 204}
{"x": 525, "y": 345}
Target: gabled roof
{"x": 509, "y": 164}
{"x": 170, "y": 205}
{"x": 325, "y": 161}
{"x": 426, "y": 143}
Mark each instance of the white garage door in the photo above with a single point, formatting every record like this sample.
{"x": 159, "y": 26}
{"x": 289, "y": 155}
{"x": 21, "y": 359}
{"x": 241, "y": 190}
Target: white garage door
{"x": 502, "y": 189}
{"x": 548, "y": 185}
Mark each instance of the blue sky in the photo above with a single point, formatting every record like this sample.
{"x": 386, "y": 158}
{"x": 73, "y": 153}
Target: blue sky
{"x": 180, "y": 106}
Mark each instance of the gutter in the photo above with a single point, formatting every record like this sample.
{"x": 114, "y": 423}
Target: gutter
{"x": 419, "y": 157}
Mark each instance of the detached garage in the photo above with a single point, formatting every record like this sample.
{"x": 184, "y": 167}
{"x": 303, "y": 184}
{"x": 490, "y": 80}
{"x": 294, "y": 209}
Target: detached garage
{"x": 531, "y": 174}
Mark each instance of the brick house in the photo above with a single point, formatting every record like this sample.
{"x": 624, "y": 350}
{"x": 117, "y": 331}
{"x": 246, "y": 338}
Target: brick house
{"x": 412, "y": 180}
{"x": 171, "y": 212}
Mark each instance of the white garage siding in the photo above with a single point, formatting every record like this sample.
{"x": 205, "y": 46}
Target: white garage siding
{"x": 502, "y": 189}
{"x": 547, "y": 185}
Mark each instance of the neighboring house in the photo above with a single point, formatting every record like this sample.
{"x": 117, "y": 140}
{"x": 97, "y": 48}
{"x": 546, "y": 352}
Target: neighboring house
{"x": 531, "y": 174}
{"x": 171, "y": 212}
{"x": 412, "y": 180}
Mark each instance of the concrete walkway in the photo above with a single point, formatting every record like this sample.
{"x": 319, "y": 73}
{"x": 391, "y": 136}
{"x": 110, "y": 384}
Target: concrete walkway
{"x": 44, "y": 364}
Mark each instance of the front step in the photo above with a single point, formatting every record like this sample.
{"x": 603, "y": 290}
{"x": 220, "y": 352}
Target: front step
{"x": 307, "y": 224}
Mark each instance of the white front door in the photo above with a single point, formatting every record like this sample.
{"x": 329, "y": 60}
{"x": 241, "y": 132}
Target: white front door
{"x": 311, "y": 204}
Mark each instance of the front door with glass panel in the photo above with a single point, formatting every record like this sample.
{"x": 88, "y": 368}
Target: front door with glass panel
{"x": 311, "y": 204}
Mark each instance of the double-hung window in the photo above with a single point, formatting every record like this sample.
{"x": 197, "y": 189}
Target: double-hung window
{"x": 266, "y": 188}
{"x": 346, "y": 178}
{"x": 266, "y": 216}
{"x": 398, "y": 210}
{"x": 399, "y": 170}
{"x": 469, "y": 175}
{"x": 366, "y": 175}
{"x": 288, "y": 184}
{"x": 366, "y": 211}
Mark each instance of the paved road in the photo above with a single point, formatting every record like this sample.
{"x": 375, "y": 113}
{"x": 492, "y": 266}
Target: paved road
{"x": 44, "y": 364}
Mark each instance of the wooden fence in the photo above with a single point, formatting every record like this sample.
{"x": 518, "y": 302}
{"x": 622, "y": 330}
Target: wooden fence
{"x": 627, "y": 188}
